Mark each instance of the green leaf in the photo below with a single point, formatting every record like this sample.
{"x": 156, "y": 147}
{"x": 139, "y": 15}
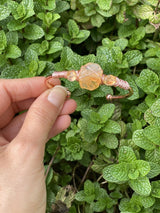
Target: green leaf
{"x": 13, "y": 71}
{"x": 93, "y": 127}
{"x": 29, "y": 6}
{"x": 155, "y": 188}
{"x": 86, "y": 1}
{"x": 108, "y": 140}
{"x": 73, "y": 28}
{"x": 12, "y": 38}
{"x": 3, "y": 40}
{"x": 4, "y": 12}
{"x": 148, "y": 81}
{"x": 155, "y": 108}
{"x": 143, "y": 167}
{"x": 116, "y": 173}
{"x": 143, "y": 11}
{"x": 51, "y": 5}
{"x": 126, "y": 30}
{"x": 80, "y": 16}
{"x": 15, "y": 25}
{"x": 105, "y": 112}
{"x": 154, "y": 171}
{"x": 153, "y": 134}
{"x": 82, "y": 36}
{"x": 122, "y": 43}
{"x": 153, "y": 155}
{"x": 97, "y": 20}
{"x": 104, "y": 5}
{"x": 147, "y": 202}
{"x": 131, "y": 2}
{"x": 33, "y": 32}
{"x": 140, "y": 140}
{"x": 137, "y": 35}
{"x": 80, "y": 196}
{"x": 62, "y": 6}
{"x": 13, "y": 51}
{"x": 141, "y": 186}
{"x": 126, "y": 154}
{"x": 112, "y": 127}
{"x": 55, "y": 46}
{"x": 153, "y": 63}
{"x": 133, "y": 57}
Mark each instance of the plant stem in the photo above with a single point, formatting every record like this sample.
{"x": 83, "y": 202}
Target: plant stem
{"x": 156, "y": 9}
{"x": 85, "y": 174}
{"x": 51, "y": 161}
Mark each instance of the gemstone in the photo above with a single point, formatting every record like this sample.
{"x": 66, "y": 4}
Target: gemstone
{"x": 90, "y": 76}
{"x": 109, "y": 80}
{"x": 71, "y": 75}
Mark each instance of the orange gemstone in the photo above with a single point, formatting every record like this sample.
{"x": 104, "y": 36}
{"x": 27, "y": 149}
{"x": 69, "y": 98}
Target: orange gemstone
{"x": 90, "y": 76}
{"x": 71, "y": 75}
{"x": 109, "y": 80}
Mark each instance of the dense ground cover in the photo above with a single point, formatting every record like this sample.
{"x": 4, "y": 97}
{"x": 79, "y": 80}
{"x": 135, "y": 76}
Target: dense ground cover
{"x": 109, "y": 158}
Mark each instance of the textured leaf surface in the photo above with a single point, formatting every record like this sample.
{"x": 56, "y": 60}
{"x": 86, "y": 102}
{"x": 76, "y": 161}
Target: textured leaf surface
{"x": 126, "y": 154}
{"x": 140, "y": 140}
{"x": 4, "y": 12}
{"x": 112, "y": 127}
{"x": 148, "y": 81}
{"x": 141, "y": 186}
{"x": 108, "y": 140}
{"x": 133, "y": 57}
{"x": 155, "y": 108}
{"x": 116, "y": 173}
{"x": 33, "y": 32}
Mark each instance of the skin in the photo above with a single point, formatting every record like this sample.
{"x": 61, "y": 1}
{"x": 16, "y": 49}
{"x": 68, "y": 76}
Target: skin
{"x": 23, "y": 138}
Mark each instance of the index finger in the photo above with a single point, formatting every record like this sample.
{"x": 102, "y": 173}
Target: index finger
{"x": 13, "y": 90}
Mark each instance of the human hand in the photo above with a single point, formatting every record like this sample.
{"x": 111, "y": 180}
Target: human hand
{"x": 23, "y": 138}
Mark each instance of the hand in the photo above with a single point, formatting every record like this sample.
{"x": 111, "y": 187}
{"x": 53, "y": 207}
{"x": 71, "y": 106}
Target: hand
{"x": 23, "y": 138}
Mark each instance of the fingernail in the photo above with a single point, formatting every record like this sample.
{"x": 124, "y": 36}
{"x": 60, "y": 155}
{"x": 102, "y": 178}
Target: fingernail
{"x": 57, "y": 95}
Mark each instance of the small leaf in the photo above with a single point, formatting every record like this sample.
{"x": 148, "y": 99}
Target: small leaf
{"x": 133, "y": 57}
{"x": 108, "y": 140}
{"x": 105, "y": 112}
{"x": 153, "y": 134}
{"x": 116, "y": 173}
{"x": 126, "y": 154}
{"x": 155, "y": 108}
{"x": 3, "y": 40}
{"x": 55, "y": 46}
{"x": 154, "y": 171}
{"x": 141, "y": 186}
{"x": 148, "y": 81}
{"x": 33, "y": 32}
{"x": 13, "y": 51}
{"x": 153, "y": 63}
{"x": 137, "y": 35}
{"x": 97, "y": 20}
{"x": 140, "y": 140}
{"x": 155, "y": 188}
{"x": 143, "y": 11}
{"x": 104, "y": 5}
{"x": 73, "y": 28}
{"x": 15, "y": 25}
{"x": 4, "y": 12}
{"x": 112, "y": 127}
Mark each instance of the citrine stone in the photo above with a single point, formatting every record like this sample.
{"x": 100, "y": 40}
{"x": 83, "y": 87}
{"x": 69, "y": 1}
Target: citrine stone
{"x": 71, "y": 75}
{"x": 109, "y": 80}
{"x": 90, "y": 76}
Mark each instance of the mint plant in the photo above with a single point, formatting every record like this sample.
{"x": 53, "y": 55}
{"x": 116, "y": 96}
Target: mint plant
{"x": 108, "y": 160}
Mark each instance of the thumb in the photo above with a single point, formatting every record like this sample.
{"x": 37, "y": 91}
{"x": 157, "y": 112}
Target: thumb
{"x": 41, "y": 116}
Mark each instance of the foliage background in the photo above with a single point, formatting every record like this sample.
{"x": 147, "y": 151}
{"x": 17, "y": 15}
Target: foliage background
{"x": 109, "y": 158}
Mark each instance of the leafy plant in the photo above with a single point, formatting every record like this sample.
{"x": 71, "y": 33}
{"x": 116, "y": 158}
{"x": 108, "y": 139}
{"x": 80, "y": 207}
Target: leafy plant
{"x": 109, "y": 158}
